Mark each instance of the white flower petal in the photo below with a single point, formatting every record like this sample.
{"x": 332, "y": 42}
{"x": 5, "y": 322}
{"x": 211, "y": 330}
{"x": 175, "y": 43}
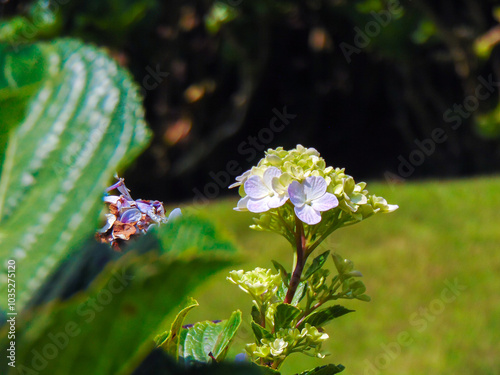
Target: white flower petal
{"x": 242, "y": 204}
{"x": 392, "y": 207}
{"x": 324, "y": 203}
{"x": 296, "y": 193}
{"x": 314, "y": 187}
{"x": 255, "y": 188}
{"x": 268, "y": 176}
{"x": 308, "y": 214}
{"x": 258, "y": 205}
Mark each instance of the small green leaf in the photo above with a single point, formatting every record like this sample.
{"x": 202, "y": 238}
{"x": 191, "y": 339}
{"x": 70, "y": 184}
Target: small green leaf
{"x": 260, "y": 332}
{"x": 358, "y": 288}
{"x": 342, "y": 265}
{"x": 281, "y": 292}
{"x": 324, "y": 370}
{"x": 171, "y": 342}
{"x": 206, "y": 339}
{"x": 285, "y": 277}
{"x": 299, "y": 293}
{"x": 284, "y": 315}
{"x": 316, "y": 265}
{"x": 256, "y": 317}
{"x": 364, "y": 297}
{"x": 322, "y": 317}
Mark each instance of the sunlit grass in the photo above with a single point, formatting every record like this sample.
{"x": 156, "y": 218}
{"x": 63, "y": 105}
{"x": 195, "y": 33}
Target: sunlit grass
{"x": 444, "y": 232}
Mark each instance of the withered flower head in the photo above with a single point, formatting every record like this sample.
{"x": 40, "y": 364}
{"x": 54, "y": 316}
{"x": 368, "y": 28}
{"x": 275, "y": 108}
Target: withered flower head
{"x": 129, "y": 218}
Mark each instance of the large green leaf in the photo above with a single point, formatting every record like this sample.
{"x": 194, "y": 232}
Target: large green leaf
{"x": 76, "y": 118}
{"x": 322, "y": 317}
{"x": 207, "y": 340}
{"x": 109, "y": 329}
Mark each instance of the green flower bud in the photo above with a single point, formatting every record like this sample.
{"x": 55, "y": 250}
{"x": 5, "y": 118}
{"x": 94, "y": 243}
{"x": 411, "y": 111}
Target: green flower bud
{"x": 259, "y": 283}
{"x": 313, "y": 336}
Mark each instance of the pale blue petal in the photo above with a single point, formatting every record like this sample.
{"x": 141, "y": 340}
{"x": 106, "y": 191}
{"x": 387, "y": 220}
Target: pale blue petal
{"x": 111, "y": 199}
{"x": 314, "y": 187}
{"x": 144, "y": 207}
{"x": 258, "y": 205}
{"x": 325, "y": 203}
{"x": 131, "y": 216}
{"x": 255, "y": 188}
{"x": 175, "y": 214}
{"x": 308, "y": 214}
{"x": 277, "y": 201}
{"x": 296, "y": 193}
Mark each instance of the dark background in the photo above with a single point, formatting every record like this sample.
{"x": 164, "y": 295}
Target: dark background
{"x": 214, "y": 73}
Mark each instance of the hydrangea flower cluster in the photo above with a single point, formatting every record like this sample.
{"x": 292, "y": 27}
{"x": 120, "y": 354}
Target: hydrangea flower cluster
{"x": 260, "y": 283}
{"x": 286, "y": 185}
{"x": 282, "y": 328}
{"x": 288, "y": 341}
{"x": 129, "y": 218}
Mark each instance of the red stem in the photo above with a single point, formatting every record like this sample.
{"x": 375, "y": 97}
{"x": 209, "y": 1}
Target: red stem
{"x": 300, "y": 241}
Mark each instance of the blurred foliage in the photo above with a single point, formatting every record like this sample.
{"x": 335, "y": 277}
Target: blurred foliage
{"x": 66, "y": 108}
{"x": 109, "y": 326}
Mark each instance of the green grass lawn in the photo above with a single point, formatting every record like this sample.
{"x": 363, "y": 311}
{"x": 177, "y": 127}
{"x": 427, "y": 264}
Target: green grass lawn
{"x": 445, "y": 233}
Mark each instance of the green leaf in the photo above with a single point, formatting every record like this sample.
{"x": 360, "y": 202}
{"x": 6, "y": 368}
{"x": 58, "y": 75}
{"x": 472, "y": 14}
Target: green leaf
{"x": 119, "y": 313}
{"x": 316, "y": 265}
{"x": 299, "y": 293}
{"x": 171, "y": 342}
{"x": 260, "y": 332}
{"x": 255, "y": 314}
{"x": 285, "y": 277}
{"x": 322, "y": 317}
{"x": 78, "y": 120}
{"x": 284, "y": 315}
{"x": 363, "y": 297}
{"x": 264, "y": 370}
{"x": 208, "y": 339}
{"x": 324, "y": 370}
{"x": 342, "y": 265}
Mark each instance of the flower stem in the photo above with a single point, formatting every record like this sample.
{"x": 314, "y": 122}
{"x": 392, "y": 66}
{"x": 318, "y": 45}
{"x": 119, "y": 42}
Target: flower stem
{"x": 300, "y": 259}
